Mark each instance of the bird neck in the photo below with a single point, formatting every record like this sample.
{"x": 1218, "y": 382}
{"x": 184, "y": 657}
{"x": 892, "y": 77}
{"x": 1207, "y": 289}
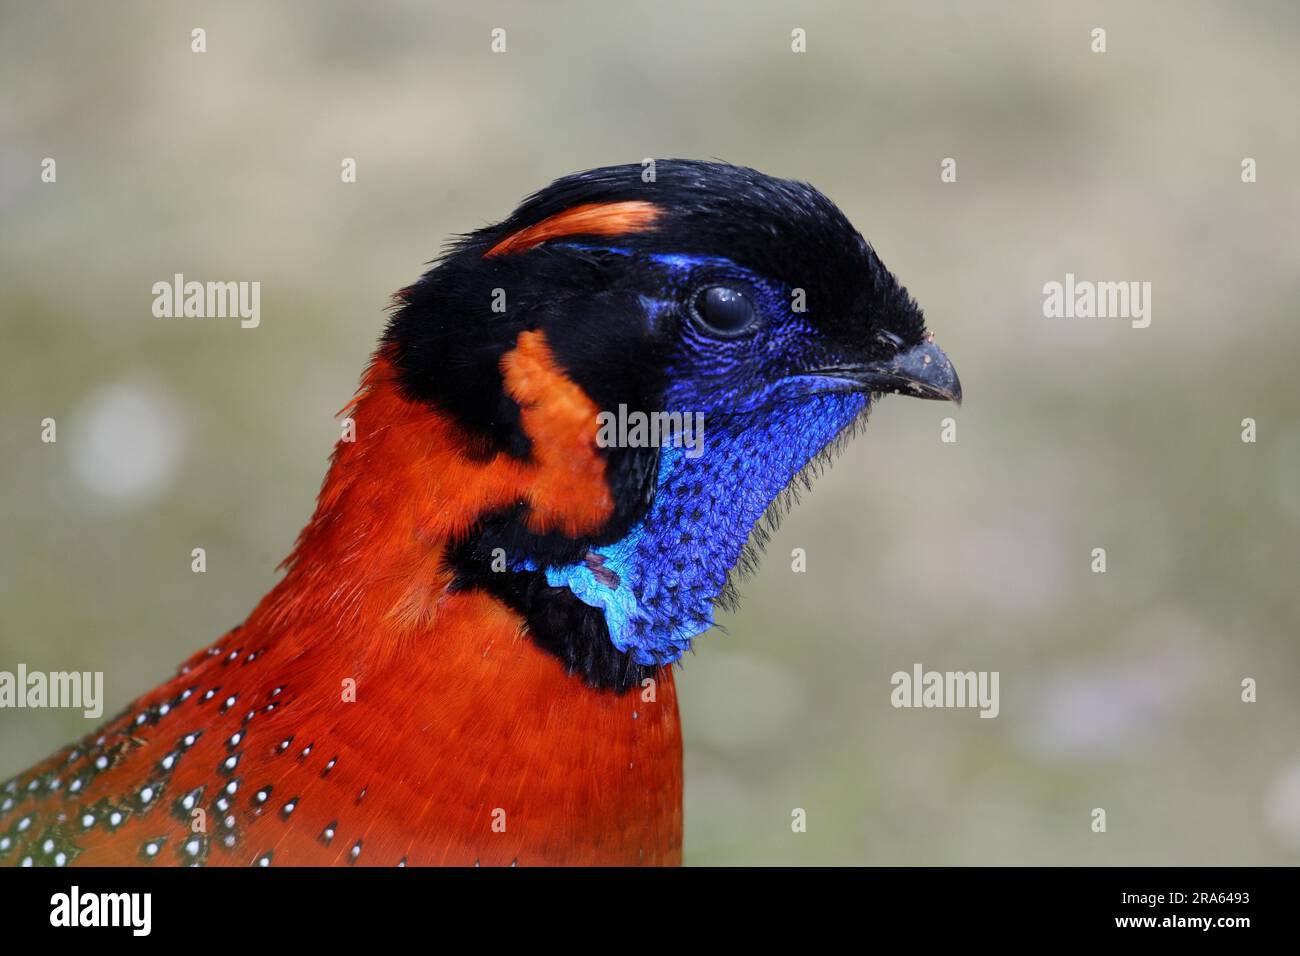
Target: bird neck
{"x": 659, "y": 584}
{"x": 407, "y": 481}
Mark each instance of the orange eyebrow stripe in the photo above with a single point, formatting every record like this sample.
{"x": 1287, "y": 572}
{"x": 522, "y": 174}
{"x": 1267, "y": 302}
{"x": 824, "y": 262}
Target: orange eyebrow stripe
{"x": 589, "y": 219}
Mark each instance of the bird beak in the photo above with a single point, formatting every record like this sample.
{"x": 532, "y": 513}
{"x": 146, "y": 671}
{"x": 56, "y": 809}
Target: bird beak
{"x": 923, "y": 371}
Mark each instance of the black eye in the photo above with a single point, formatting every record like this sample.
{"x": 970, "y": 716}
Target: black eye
{"x": 724, "y": 311}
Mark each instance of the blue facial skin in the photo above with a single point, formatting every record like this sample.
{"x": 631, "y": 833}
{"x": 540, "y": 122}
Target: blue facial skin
{"x": 763, "y": 422}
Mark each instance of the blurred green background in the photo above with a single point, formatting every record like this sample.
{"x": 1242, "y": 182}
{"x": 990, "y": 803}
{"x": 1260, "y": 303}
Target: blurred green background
{"x": 1119, "y": 690}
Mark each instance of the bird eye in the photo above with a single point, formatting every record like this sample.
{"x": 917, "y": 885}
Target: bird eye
{"x": 724, "y": 311}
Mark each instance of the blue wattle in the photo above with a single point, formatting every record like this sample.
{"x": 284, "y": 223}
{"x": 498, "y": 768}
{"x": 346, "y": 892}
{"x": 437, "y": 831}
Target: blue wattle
{"x": 674, "y": 564}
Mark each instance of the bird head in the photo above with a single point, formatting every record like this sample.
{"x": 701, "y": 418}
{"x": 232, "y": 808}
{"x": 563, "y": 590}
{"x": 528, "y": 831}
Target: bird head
{"x": 724, "y": 329}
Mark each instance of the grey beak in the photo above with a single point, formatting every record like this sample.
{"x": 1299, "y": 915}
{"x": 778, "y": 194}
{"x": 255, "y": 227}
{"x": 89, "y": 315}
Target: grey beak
{"x": 923, "y": 371}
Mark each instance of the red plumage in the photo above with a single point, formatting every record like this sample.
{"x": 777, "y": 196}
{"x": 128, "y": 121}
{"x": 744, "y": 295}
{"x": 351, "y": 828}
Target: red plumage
{"x": 365, "y": 713}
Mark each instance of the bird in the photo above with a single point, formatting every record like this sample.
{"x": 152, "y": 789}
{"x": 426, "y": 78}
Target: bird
{"x": 468, "y": 660}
